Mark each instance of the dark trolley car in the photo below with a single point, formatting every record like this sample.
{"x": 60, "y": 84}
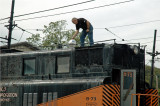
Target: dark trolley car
{"x": 31, "y": 78}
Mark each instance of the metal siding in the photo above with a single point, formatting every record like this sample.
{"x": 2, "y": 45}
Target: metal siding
{"x": 35, "y": 99}
{"x": 25, "y": 99}
{"x": 44, "y": 97}
{"x": 30, "y": 99}
{"x": 50, "y": 96}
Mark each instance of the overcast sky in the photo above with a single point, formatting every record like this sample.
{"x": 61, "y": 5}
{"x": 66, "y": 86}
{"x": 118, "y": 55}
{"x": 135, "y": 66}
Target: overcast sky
{"x": 121, "y": 19}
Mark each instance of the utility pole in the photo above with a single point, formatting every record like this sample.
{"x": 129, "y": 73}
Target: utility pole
{"x": 11, "y": 24}
{"x": 153, "y": 54}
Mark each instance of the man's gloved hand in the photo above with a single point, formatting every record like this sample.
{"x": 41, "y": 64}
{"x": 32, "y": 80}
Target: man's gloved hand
{"x": 87, "y": 30}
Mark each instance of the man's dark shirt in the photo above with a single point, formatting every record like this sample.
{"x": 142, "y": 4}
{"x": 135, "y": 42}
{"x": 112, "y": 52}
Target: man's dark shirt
{"x": 82, "y": 23}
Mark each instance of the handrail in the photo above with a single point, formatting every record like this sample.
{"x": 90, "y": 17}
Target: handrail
{"x": 143, "y": 95}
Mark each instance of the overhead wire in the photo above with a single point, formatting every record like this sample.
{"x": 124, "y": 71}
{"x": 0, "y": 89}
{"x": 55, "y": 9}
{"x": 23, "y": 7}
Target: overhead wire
{"x": 21, "y": 36}
{"x": 76, "y": 10}
{"x": 149, "y": 42}
{"x": 90, "y": 8}
{"x": 107, "y": 30}
{"x": 126, "y": 25}
{"x": 111, "y": 26}
{"x": 3, "y": 42}
{"x": 148, "y": 62}
{"x": 3, "y": 22}
{"x": 66, "y": 12}
{"x": 49, "y": 9}
{"x": 134, "y": 24}
{"x": 24, "y": 30}
{"x": 142, "y": 38}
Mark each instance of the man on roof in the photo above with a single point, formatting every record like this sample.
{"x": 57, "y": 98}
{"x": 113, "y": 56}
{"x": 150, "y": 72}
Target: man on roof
{"x": 87, "y": 30}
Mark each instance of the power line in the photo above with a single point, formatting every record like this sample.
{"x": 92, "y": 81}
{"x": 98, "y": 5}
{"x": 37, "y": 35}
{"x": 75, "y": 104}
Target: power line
{"x": 3, "y": 22}
{"x": 21, "y": 36}
{"x": 24, "y": 30}
{"x": 129, "y": 39}
{"x": 149, "y": 42}
{"x": 142, "y": 38}
{"x": 112, "y": 26}
{"x": 49, "y": 9}
{"x": 76, "y": 10}
{"x": 135, "y": 24}
{"x": 4, "y": 38}
{"x": 105, "y": 29}
{"x": 146, "y": 22}
{"x": 148, "y": 62}
{"x": 4, "y": 18}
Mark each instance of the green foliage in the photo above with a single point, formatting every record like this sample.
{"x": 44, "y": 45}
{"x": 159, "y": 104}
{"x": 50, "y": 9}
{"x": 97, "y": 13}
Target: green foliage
{"x": 34, "y": 39}
{"x": 148, "y": 74}
{"x": 55, "y": 34}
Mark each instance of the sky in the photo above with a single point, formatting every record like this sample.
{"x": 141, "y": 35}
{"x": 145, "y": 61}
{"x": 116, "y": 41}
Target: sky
{"x": 132, "y": 20}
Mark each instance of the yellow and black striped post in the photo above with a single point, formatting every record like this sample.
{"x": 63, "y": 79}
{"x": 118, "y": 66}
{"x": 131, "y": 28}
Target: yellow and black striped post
{"x": 111, "y": 95}
{"x": 151, "y": 100}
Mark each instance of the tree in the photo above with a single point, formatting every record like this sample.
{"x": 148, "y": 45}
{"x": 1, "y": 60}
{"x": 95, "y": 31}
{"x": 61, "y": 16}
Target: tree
{"x": 156, "y": 73}
{"x": 55, "y": 35}
{"x": 35, "y": 39}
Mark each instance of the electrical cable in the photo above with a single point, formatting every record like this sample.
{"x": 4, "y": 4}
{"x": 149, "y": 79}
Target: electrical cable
{"x": 3, "y": 22}
{"x": 76, "y": 10}
{"x": 142, "y": 38}
{"x": 107, "y": 30}
{"x": 108, "y": 27}
{"x": 111, "y": 26}
{"x": 24, "y": 30}
{"x": 3, "y": 42}
{"x": 148, "y": 62}
{"x": 49, "y": 9}
{"x": 146, "y": 22}
{"x": 112, "y": 33}
{"x": 20, "y": 37}
{"x": 134, "y": 24}
{"x": 149, "y": 42}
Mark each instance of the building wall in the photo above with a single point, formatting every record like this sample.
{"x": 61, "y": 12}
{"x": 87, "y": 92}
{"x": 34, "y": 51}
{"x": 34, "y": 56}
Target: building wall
{"x": 22, "y": 48}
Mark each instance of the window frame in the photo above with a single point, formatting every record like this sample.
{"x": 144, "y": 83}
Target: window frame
{"x": 29, "y": 58}
{"x": 56, "y": 72}
{"x": 130, "y": 79}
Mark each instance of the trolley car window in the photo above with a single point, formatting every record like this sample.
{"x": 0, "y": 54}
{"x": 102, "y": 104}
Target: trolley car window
{"x": 127, "y": 80}
{"x": 63, "y": 64}
{"x": 29, "y": 66}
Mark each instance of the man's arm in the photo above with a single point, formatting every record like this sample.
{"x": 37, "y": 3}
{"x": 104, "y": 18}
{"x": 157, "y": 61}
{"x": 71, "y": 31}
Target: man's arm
{"x": 88, "y": 25}
{"x": 75, "y": 34}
